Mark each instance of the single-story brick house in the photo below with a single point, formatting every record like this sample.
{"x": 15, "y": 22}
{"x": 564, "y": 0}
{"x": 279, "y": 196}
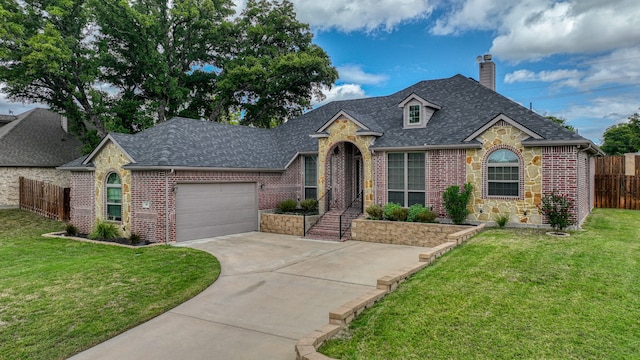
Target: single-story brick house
{"x": 32, "y": 145}
{"x": 187, "y": 179}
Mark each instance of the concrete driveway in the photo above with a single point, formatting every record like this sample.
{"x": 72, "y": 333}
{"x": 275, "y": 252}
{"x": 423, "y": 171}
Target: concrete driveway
{"x": 273, "y": 289}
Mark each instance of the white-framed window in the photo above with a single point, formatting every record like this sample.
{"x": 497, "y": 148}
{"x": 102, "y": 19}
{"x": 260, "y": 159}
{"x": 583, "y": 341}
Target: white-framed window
{"x": 114, "y": 197}
{"x": 414, "y": 114}
{"x": 310, "y": 177}
{"x": 405, "y": 178}
{"x": 503, "y": 174}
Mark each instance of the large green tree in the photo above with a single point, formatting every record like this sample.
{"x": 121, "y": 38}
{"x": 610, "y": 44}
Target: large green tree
{"x": 46, "y": 56}
{"x": 622, "y": 138}
{"x": 123, "y": 65}
{"x": 563, "y": 122}
{"x": 274, "y": 69}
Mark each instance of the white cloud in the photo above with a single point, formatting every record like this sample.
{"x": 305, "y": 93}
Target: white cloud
{"x": 355, "y": 74}
{"x": 351, "y": 15}
{"x": 534, "y": 29}
{"x": 592, "y": 118}
{"x": 544, "y": 76}
{"x": 341, "y": 92}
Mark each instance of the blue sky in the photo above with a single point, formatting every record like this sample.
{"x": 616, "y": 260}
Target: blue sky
{"x": 576, "y": 59}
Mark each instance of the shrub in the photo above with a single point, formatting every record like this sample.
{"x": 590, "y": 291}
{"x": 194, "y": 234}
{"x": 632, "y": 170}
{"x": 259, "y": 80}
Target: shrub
{"x": 135, "y": 239}
{"x": 309, "y": 205}
{"x": 502, "y": 220}
{"x": 374, "y": 212}
{"x": 399, "y": 214}
{"x": 456, "y": 201}
{"x": 426, "y": 216}
{"x": 104, "y": 230}
{"x": 418, "y": 213}
{"x": 288, "y": 205}
{"x": 70, "y": 230}
{"x": 388, "y": 209}
{"x": 556, "y": 209}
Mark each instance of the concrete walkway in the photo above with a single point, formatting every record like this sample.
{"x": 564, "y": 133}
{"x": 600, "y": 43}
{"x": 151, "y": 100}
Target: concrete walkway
{"x": 273, "y": 289}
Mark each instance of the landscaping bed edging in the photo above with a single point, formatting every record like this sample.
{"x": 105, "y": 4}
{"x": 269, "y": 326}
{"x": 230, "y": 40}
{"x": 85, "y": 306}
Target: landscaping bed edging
{"x": 61, "y": 235}
{"x": 409, "y": 233}
{"x": 286, "y": 224}
{"x": 306, "y": 347}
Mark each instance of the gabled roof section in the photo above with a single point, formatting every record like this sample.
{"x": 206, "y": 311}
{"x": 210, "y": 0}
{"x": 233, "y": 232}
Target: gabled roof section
{"x": 417, "y": 98}
{"x": 505, "y": 118}
{"x": 118, "y": 140}
{"x": 36, "y": 139}
{"x": 366, "y": 123}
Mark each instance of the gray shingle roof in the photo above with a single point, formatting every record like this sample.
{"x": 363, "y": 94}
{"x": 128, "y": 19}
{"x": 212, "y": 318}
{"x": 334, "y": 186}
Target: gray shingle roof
{"x": 465, "y": 107}
{"x": 36, "y": 139}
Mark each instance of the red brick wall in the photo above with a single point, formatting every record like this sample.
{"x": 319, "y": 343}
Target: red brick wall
{"x": 149, "y": 186}
{"x": 560, "y": 173}
{"x": 83, "y": 200}
{"x": 584, "y": 186}
{"x": 444, "y": 168}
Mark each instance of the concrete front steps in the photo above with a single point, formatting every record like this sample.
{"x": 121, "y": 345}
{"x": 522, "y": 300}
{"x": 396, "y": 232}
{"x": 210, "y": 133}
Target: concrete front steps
{"x": 328, "y": 227}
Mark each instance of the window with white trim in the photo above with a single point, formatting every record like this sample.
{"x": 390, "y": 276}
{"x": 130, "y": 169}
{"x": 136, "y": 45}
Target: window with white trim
{"x": 414, "y": 114}
{"x": 114, "y": 197}
{"x": 311, "y": 177}
{"x": 503, "y": 174}
{"x": 405, "y": 178}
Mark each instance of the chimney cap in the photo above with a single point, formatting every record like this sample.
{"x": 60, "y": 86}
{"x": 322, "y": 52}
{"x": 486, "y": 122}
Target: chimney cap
{"x": 487, "y": 57}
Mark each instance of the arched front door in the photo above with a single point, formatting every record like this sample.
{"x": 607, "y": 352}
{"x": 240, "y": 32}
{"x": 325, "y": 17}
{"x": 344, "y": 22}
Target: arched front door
{"x": 344, "y": 172}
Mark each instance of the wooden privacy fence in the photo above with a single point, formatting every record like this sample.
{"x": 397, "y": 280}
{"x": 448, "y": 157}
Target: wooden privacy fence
{"x": 617, "y": 191}
{"x": 48, "y": 200}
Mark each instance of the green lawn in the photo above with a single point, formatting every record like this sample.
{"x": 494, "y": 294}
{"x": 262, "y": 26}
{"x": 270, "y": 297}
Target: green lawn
{"x": 58, "y": 297}
{"x": 510, "y": 294}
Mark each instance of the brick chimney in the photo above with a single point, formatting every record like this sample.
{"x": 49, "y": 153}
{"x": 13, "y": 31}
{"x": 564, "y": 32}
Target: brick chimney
{"x": 487, "y": 71}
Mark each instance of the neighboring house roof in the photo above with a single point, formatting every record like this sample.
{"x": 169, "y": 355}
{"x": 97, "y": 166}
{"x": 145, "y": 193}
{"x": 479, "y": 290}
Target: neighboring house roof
{"x": 464, "y": 108}
{"x": 36, "y": 139}
{"x": 5, "y": 119}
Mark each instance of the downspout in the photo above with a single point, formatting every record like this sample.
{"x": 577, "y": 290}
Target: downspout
{"x": 166, "y": 206}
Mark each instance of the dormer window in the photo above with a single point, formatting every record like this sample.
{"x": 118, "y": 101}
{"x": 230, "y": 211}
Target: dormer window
{"x": 417, "y": 111}
{"x": 414, "y": 114}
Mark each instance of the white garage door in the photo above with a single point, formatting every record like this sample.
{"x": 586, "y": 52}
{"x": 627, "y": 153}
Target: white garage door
{"x": 207, "y": 210}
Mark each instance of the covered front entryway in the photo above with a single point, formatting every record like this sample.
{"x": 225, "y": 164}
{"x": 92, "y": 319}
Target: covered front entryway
{"x": 344, "y": 171}
{"x": 208, "y": 210}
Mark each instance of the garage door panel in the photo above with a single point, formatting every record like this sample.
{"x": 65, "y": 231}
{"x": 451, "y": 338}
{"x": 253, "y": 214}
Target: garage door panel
{"x": 207, "y": 210}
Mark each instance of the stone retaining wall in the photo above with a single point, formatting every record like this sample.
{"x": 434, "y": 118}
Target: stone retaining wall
{"x": 286, "y": 224}
{"x": 306, "y": 347}
{"x": 405, "y": 233}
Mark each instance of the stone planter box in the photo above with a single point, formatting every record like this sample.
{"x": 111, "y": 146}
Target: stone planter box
{"x": 286, "y": 224}
{"x": 410, "y": 233}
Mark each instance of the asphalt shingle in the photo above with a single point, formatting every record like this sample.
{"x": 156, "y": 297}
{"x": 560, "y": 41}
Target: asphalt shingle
{"x": 466, "y": 106}
{"x": 36, "y": 139}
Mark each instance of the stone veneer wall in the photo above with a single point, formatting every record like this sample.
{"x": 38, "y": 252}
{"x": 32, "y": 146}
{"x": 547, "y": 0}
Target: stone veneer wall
{"x": 403, "y": 233}
{"x": 10, "y": 184}
{"x": 505, "y": 136}
{"x": 286, "y": 224}
{"x": 112, "y": 159}
{"x": 344, "y": 130}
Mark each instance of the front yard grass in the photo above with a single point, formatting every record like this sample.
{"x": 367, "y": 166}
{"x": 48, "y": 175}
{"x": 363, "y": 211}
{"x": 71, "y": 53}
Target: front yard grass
{"x": 59, "y": 297}
{"x": 510, "y": 294}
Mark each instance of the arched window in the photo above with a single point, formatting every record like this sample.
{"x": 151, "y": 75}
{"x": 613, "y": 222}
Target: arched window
{"x": 503, "y": 174}
{"x": 114, "y": 197}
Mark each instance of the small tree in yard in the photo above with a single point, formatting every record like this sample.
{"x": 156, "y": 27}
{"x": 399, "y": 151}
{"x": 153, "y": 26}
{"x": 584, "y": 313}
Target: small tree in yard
{"x": 556, "y": 209}
{"x": 456, "y": 201}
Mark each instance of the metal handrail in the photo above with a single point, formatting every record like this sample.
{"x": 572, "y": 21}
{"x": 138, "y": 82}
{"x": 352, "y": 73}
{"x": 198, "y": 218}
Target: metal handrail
{"x": 358, "y": 198}
{"x": 304, "y": 219}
